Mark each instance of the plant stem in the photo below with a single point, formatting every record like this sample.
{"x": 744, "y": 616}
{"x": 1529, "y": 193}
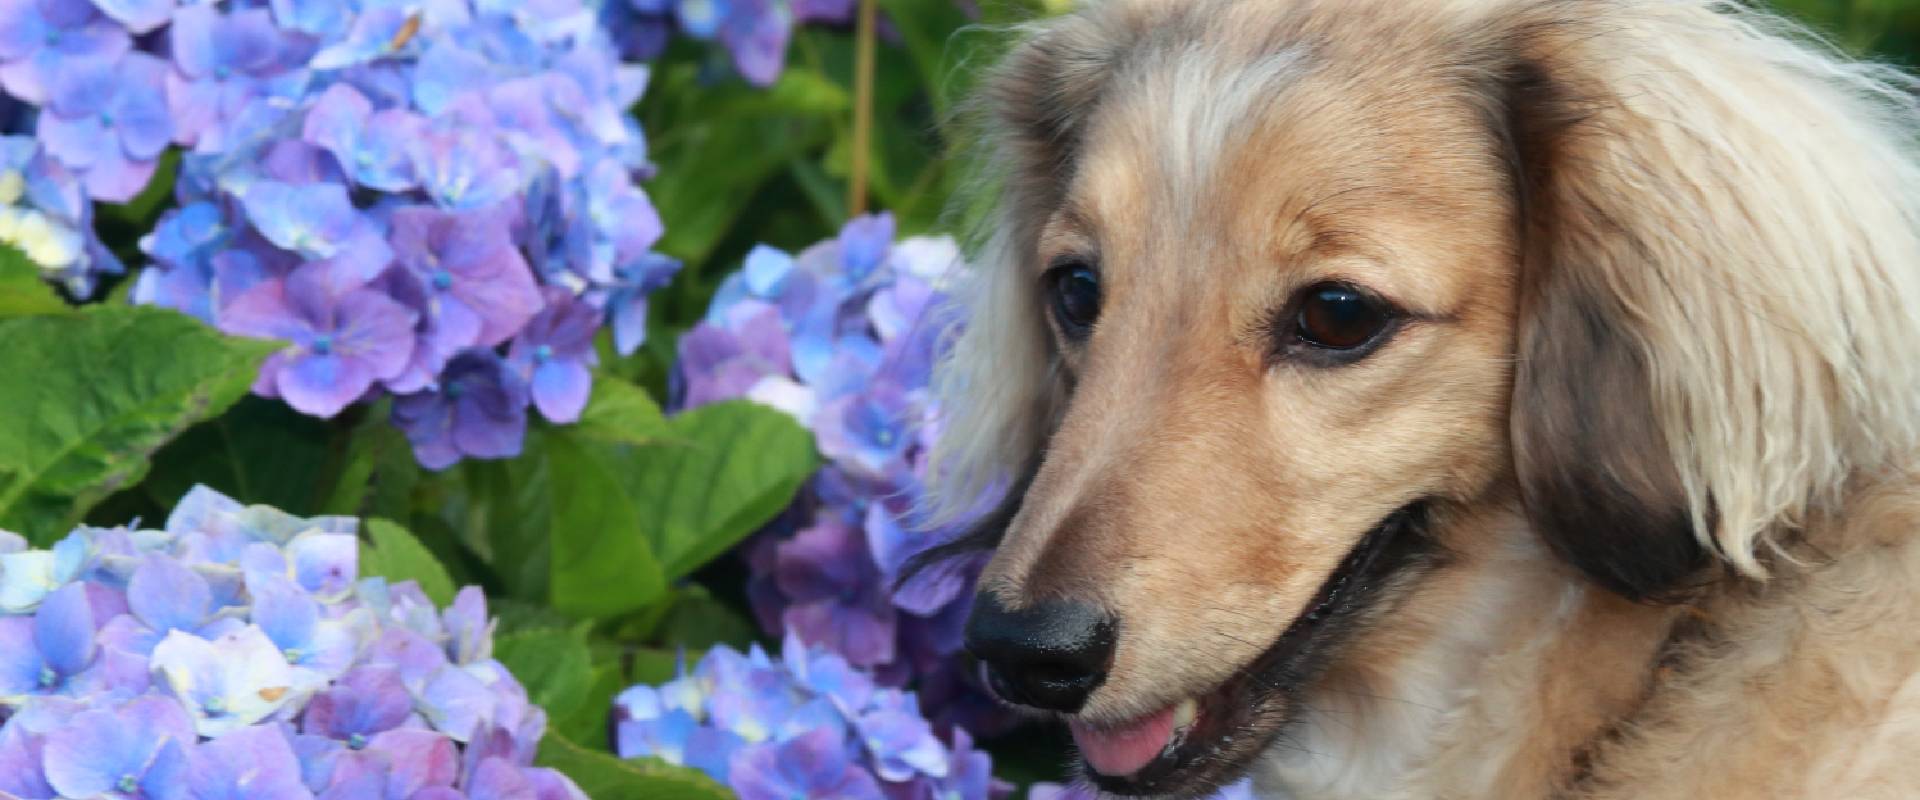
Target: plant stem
{"x": 864, "y": 36}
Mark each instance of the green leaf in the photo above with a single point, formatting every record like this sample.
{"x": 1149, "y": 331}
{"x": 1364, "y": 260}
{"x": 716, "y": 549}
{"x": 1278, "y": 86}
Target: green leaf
{"x": 393, "y": 553}
{"x": 724, "y": 471}
{"x": 554, "y": 665}
{"x": 261, "y": 452}
{"x": 619, "y": 412}
{"x": 657, "y": 666}
{"x": 22, "y": 291}
{"x": 604, "y": 777}
{"x": 601, "y": 562}
{"x": 698, "y": 621}
{"x": 589, "y": 722}
{"x": 94, "y": 394}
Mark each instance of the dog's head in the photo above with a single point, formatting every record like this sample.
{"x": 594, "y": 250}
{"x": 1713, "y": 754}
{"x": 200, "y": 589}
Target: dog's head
{"x": 1278, "y": 289}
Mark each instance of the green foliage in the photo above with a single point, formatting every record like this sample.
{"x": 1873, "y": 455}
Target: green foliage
{"x": 259, "y": 452}
{"x": 602, "y": 563}
{"x": 391, "y": 552}
{"x": 104, "y": 388}
{"x": 22, "y": 292}
{"x": 603, "y": 777}
{"x": 554, "y": 664}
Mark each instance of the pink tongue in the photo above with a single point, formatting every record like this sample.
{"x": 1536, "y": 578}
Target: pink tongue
{"x": 1124, "y": 750}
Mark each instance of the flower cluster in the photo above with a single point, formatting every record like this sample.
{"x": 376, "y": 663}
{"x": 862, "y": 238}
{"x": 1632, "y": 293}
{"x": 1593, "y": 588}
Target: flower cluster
{"x": 754, "y": 33}
{"x": 434, "y": 200}
{"x": 809, "y": 725}
{"x": 236, "y": 654}
{"x": 843, "y": 338}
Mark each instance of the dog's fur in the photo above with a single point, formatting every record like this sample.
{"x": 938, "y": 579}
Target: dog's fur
{"x": 1658, "y": 387}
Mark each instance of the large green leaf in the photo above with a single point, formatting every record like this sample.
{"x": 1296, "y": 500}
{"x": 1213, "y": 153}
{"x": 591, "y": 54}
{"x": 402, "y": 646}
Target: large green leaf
{"x": 22, "y": 291}
{"x": 601, "y": 561}
{"x": 723, "y": 471}
{"x": 589, "y": 723}
{"x": 554, "y": 664}
{"x": 90, "y": 396}
{"x": 392, "y": 552}
{"x": 698, "y": 621}
{"x": 619, "y": 412}
{"x": 259, "y": 452}
{"x": 604, "y": 777}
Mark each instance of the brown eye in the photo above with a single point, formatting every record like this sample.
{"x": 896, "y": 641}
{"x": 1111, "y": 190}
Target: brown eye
{"x": 1339, "y": 317}
{"x": 1074, "y": 293}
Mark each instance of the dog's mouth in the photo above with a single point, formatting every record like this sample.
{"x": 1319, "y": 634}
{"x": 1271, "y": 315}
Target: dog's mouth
{"x": 1202, "y": 743}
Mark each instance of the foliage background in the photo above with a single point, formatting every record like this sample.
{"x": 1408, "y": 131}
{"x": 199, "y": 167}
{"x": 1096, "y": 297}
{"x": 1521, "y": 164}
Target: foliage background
{"x": 600, "y": 571}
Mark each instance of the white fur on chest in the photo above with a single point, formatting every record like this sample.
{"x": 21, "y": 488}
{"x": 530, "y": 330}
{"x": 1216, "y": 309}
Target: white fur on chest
{"x": 1384, "y": 742}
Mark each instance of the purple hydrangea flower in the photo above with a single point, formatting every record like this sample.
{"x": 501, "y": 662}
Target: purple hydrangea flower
{"x": 555, "y": 354}
{"x": 339, "y": 342}
{"x": 843, "y": 337}
{"x": 383, "y": 186}
{"x": 807, "y": 725}
{"x": 236, "y": 708}
{"x": 479, "y": 410}
{"x": 39, "y": 39}
{"x": 107, "y": 120}
{"x": 478, "y": 284}
{"x": 138, "y": 749}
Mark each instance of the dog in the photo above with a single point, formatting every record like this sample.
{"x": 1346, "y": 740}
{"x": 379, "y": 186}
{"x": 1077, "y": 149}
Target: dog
{"x": 1448, "y": 399}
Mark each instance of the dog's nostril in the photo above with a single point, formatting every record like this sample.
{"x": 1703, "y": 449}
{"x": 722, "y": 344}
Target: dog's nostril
{"x": 1049, "y": 655}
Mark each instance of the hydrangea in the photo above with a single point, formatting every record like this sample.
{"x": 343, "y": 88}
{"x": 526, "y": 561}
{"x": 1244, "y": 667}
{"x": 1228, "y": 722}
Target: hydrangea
{"x": 402, "y": 193}
{"x": 383, "y": 186}
{"x": 752, "y": 33}
{"x": 236, "y": 653}
{"x": 807, "y": 725}
{"x": 843, "y": 337}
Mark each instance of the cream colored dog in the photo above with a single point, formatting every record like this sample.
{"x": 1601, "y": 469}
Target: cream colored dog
{"x": 1451, "y": 399}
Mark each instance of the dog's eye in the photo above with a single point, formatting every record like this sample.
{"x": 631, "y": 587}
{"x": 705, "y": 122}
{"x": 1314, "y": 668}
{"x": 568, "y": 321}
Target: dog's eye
{"x": 1339, "y": 317}
{"x": 1074, "y": 291}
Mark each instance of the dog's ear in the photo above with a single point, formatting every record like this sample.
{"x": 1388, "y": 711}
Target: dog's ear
{"x": 999, "y": 391}
{"x": 1595, "y": 468}
{"x": 1716, "y": 229}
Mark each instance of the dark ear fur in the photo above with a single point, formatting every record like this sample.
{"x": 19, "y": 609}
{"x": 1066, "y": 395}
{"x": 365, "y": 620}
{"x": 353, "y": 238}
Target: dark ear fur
{"x": 1596, "y": 475}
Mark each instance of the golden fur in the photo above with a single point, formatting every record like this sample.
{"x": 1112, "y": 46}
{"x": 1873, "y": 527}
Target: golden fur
{"x": 1659, "y": 383}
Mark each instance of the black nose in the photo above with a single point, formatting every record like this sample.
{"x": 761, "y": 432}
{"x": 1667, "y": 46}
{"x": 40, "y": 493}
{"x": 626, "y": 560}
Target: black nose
{"x": 1049, "y": 655}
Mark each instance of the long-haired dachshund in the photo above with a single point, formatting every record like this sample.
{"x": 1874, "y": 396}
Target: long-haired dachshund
{"x": 1450, "y": 399}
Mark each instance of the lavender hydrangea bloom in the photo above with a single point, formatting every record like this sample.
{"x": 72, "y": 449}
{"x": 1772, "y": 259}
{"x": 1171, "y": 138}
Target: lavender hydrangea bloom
{"x": 340, "y": 342}
{"x": 806, "y": 725}
{"x": 753, "y": 33}
{"x": 40, "y": 38}
{"x": 380, "y": 185}
{"x": 479, "y": 410}
{"x": 555, "y": 354}
{"x": 842, "y": 337}
{"x": 234, "y": 711}
{"x": 107, "y": 120}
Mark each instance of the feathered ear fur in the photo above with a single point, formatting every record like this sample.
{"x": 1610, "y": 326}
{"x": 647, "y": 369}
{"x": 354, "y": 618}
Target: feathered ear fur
{"x": 1000, "y": 393}
{"x": 1720, "y": 280}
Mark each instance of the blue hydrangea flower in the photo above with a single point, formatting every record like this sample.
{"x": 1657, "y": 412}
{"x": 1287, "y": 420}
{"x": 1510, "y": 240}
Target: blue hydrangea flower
{"x": 41, "y": 38}
{"x": 806, "y": 725}
{"x": 555, "y": 354}
{"x": 339, "y": 342}
{"x": 843, "y": 337}
{"x": 107, "y": 121}
{"x": 381, "y": 185}
{"x": 138, "y": 749}
{"x": 279, "y": 675}
{"x": 480, "y": 410}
